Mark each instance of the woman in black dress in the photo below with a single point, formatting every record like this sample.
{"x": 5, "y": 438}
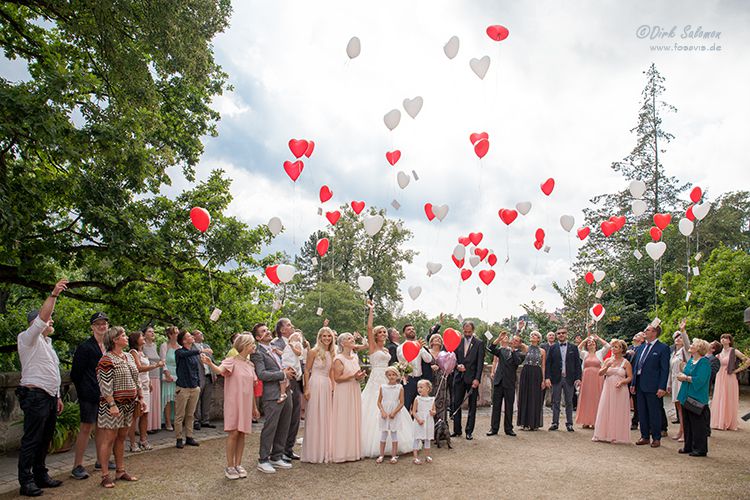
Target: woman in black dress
{"x": 531, "y": 385}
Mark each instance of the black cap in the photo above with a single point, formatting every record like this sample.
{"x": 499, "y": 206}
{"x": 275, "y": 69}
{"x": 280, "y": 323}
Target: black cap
{"x": 97, "y": 316}
{"x": 31, "y": 315}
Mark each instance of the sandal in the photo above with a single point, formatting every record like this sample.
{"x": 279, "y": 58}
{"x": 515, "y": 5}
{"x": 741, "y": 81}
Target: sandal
{"x": 417, "y": 461}
{"x": 145, "y": 446}
{"x": 394, "y": 460}
{"x": 107, "y": 482}
{"x": 379, "y": 459}
{"x": 124, "y": 476}
{"x": 135, "y": 448}
{"x": 428, "y": 460}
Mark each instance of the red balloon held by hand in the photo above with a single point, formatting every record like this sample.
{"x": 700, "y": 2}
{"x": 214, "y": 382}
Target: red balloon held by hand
{"x": 410, "y": 350}
{"x": 451, "y": 339}
{"x": 200, "y": 218}
{"x": 322, "y": 246}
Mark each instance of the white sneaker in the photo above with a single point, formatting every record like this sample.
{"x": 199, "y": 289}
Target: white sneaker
{"x": 281, "y": 464}
{"x": 266, "y": 467}
{"x": 241, "y": 471}
{"x": 231, "y": 473}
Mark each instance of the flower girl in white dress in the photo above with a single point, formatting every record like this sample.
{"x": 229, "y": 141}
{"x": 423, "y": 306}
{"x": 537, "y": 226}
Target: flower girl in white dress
{"x": 423, "y": 411}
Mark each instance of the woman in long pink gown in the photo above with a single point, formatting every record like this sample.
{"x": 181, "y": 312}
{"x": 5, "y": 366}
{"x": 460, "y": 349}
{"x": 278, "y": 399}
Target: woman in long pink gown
{"x": 613, "y": 414}
{"x": 591, "y": 382}
{"x": 347, "y": 403}
{"x": 726, "y": 399}
{"x": 316, "y": 446}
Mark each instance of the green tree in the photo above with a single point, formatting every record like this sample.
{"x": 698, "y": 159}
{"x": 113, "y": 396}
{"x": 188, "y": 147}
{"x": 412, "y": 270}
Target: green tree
{"x": 542, "y": 320}
{"x": 344, "y": 309}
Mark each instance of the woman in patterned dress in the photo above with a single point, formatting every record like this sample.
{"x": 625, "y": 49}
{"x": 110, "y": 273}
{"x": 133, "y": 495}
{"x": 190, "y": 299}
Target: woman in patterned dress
{"x": 120, "y": 393}
{"x": 441, "y": 387}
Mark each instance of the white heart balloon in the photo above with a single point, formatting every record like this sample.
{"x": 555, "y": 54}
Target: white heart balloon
{"x": 353, "y": 48}
{"x": 440, "y": 211}
{"x": 459, "y": 252}
{"x": 415, "y": 292}
{"x": 402, "y": 179}
{"x": 599, "y": 275}
{"x": 686, "y": 226}
{"x": 474, "y": 260}
{"x": 656, "y": 249}
{"x": 637, "y": 188}
{"x": 523, "y": 207}
{"x": 638, "y": 207}
{"x": 392, "y": 119}
{"x": 285, "y": 272}
{"x": 373, "y": 224}
{"x": 480, "y": 66}
{"x": 365, "y": 283}
{"x": 451, "y": 48}
{"x": 700, "y": 211}
{"x": 274, "y": 225}
{"x": 434, "y": 267}
{"x": 413, "y": 106}
{"x": 567, "y": 222}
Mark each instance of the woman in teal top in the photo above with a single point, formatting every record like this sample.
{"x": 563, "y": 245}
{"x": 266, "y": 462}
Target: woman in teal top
{"x": 695, "y": 378}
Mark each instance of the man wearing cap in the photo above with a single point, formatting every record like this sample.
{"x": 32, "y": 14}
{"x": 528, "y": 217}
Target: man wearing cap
{"x": 83, "y": 374}
{"x": 39, "y": 396}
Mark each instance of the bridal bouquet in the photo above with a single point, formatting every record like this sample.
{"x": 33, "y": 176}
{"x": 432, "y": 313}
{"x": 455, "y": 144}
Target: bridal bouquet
{"x": 404, "y": 369}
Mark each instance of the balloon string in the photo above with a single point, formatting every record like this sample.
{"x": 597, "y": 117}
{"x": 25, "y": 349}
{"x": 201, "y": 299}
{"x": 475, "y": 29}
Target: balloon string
{"x": 507, "y": 244}
{"x": 458, "y": 293}
{"x": 294, "y": 214}
{"x": 333, "y": 253}
{"x": 320, "y": 284}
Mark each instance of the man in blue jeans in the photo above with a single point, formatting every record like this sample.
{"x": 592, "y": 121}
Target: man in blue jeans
{"x": 650, "y": 373}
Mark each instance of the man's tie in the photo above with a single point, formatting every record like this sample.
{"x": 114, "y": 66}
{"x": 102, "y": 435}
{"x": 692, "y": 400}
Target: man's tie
{"x": 642, "y": 359}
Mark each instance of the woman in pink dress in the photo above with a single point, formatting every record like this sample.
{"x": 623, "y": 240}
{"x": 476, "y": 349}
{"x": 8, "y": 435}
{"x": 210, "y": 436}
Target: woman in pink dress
{"x": 347, "y": 403}
{"x": 613, "y": 414}
{"x": 591, "y": 382}
{"x": 239, "y": 403}
{"x": 316, "y": 446}
{"x": 726, "y": 401}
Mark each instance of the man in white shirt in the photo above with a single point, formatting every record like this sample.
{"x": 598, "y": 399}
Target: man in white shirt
{"x": 39, "y": 396}
{"x": 410, "y": 388}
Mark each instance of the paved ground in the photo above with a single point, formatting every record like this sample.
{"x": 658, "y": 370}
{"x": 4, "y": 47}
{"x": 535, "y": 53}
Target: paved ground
{"x": 539, "y": 464}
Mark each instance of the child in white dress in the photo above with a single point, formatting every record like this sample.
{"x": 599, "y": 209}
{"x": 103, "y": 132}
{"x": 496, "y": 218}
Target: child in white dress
{"x": 390, "y": 402}
{"x": 290, "y": 358}
{"x": 423, "y": 411}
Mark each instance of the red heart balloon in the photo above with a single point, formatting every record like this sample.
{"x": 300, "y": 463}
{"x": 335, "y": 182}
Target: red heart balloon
{"x": 583, "y": 233}
{"x": 655, "y": 233}
{"x": 459, "y": 263}
{"x": 538, "y": 244}
{"x": 696, "y": 194}
{"x": 481, "y": 252}
{"x": 548, "y": 186}
{"x": 689, "y": 213}
{"x": 333, "y": 217}
{"x": 410, "y": 350}
{"x": 393, "y": 156}
{"x": 200, "y": 218}
{"x": 608, "y": 228}
{"x": 322, "y": 246}
{"x": 325, "y": 194}
{"x": 477, "y": 136}
{"x": 589, "y": 278}
{"x": 271, "y": 273}
{"x": 662, "y": 220}
{"x": 465, "y": 274}
{"x": 451, "y": 339}
{"x": 428, "y": 211}
{"x": 310, "y": 148}
{"x": 487, "y": 275}
{"x": 481, "y": 147}
{"x": 293, "y": 170}
{"x": 475, "y": 238}
{"x": 298, "y": 148}
{"x": 358, "y": 206}
{"x": 539, "y": 234}
{"x": 497, "y": 32}
{"x": 492, "y": 259}
{"x": 507, "y": 215}
{"x": 618, "y": 220}
{"x": 597, "y": 309}
{"x": 464, "y": 240}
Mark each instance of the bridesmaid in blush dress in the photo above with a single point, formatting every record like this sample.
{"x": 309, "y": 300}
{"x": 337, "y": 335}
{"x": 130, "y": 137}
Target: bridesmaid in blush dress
{"x": 316, "y": 446}
{"x": 591, "y": 382}
{"x": 347, "y": 403}
{"x": 726, "y": 401}
{"x": 613, "y": 414}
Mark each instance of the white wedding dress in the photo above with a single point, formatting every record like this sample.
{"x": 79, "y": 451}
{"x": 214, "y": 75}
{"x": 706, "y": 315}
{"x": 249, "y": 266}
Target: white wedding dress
{"x": 371, "y": 415}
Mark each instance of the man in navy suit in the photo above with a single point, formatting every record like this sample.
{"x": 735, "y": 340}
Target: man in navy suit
{"x": 469, "y": 365}
{"x": 649, "y": 384}
{"x": 563, "y": 370}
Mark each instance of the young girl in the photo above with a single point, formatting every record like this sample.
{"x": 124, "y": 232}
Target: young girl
{"x": 390, "y": 402}
{"x": 423, "y": 409}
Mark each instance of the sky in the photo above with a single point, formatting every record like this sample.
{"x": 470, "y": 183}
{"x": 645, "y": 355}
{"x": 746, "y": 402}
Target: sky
{"x": 559, "y": 99}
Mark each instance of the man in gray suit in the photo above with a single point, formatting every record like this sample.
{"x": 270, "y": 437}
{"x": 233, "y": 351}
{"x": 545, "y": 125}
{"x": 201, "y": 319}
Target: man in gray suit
{"x": 277, "y": 415}
{"x": 283, "y": 330}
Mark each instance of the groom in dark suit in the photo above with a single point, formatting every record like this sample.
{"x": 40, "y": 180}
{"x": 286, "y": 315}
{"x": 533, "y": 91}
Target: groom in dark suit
{"x": 469, "y": 365}
{"x": 563, "y": 370}
{"x": 504, "y": 382}
{"x": 649, "y": 384}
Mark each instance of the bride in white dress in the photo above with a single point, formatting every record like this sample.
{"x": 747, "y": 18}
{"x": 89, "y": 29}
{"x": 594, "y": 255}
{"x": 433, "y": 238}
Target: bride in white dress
{"x": 379, "y": 359}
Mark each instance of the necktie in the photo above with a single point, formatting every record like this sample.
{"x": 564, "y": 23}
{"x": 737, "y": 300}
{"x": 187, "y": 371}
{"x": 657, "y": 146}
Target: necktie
{"x": 467, "y": 344}
{"x": 643, "y": 358}
{"x": 563, "y": 353}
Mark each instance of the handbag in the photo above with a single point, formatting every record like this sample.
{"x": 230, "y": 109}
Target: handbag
{"x": 693, "y": 406}
{"x": 258, "y": 388}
